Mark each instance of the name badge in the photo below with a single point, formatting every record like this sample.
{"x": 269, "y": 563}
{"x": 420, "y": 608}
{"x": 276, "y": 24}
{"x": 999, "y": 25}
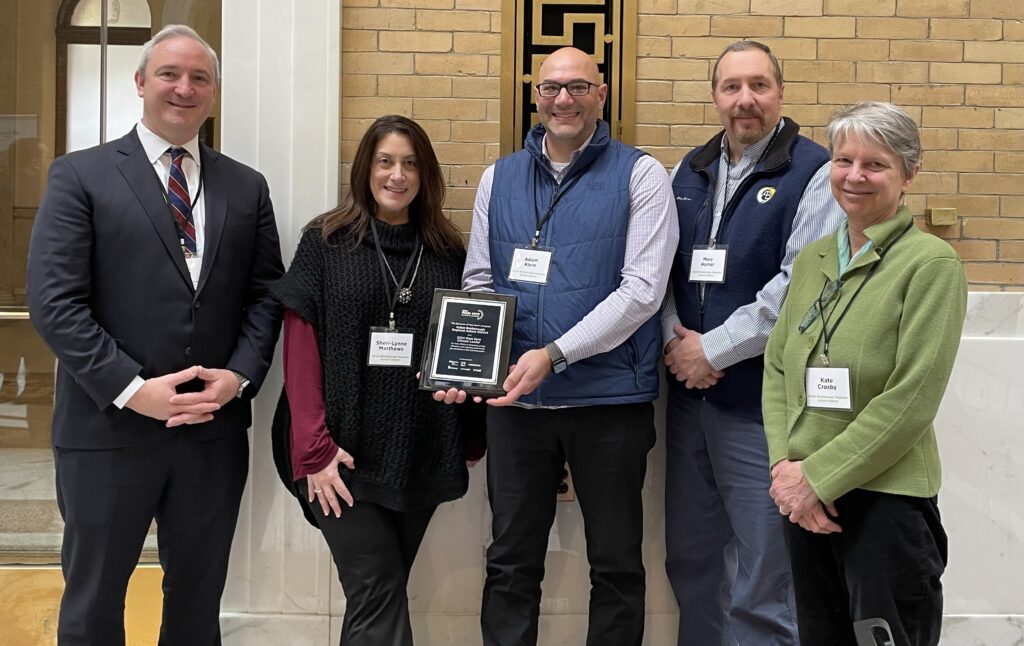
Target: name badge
{"x": 390, "y": 348}
{"x": 828, "y": 388}
{"x": 708, "y": 265}
{"x": 530, "y": 265}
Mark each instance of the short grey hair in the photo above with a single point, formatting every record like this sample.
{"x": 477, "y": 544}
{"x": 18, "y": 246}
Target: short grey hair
{"x": 176, "y": 31}
{"x": 882, "y": 123}
{"x": 746, "y": 46}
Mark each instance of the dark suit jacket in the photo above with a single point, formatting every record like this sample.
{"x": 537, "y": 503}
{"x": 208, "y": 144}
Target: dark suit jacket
{"x": 109, "y": 292}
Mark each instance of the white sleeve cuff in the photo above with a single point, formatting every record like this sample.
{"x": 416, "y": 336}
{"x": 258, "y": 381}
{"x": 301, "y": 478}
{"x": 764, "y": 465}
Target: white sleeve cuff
{"x": 718, "y": 348}
{"x": 128, "y": 392}
{"x": 668, "y": 323}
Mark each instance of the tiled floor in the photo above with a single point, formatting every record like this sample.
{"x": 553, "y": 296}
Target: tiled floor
{"x": 30, "y": 524}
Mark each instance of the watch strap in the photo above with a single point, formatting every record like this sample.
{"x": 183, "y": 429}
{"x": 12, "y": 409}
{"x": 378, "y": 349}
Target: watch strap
{"x": 243, "y": 381}
{"x": 558, "y": 363}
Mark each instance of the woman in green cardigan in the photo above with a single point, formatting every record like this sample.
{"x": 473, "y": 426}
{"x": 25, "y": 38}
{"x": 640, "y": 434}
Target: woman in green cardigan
{"x": 854, "y": 372}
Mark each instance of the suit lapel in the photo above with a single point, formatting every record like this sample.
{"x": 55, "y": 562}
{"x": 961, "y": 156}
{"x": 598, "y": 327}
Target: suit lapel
{"x": 216, "y": 204}
{"x": 145, "y": 185}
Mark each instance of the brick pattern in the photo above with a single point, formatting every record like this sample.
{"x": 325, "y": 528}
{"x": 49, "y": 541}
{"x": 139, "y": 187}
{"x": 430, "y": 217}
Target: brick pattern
{"x": 437, "y": 61}
{"x": 956, "y": 65}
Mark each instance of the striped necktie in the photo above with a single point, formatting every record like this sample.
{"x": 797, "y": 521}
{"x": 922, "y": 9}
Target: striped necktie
{"x": 178, "y": 198}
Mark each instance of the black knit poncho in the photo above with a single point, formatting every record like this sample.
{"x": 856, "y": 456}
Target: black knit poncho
{"x": 408, "y": 449}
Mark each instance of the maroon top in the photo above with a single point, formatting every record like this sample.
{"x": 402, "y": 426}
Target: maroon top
{"x": 312, "y": 448}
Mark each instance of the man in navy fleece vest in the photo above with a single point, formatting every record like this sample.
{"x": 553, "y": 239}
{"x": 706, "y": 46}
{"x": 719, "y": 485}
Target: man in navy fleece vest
{"x": 748, "y": 201}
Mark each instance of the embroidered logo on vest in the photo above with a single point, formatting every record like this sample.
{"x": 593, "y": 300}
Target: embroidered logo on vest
{"x": 765, "y": 194}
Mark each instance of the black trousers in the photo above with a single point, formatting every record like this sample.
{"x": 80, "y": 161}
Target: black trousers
{"x": 374, "y": 549}
{"x": 606, "y": 448}
{"x": 108, "y": 499}
{"x": 887, "y": 562}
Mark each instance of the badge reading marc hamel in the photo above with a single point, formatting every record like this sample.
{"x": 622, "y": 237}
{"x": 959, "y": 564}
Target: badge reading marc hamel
{"x": 468, "y": 342}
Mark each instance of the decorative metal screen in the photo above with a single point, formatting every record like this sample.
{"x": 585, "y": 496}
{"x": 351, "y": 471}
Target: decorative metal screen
{"x": 532, "y": 29}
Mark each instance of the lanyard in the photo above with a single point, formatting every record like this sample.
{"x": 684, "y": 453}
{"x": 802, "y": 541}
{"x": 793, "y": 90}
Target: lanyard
{"x": 560, "y": 190}
{"x": 828, "y": 334}
{"x": 716, "y": 219}
{"x": 385, "y": 272}
{"x": 717, "y": 223}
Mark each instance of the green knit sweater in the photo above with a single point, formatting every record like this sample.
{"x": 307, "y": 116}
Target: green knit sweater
{"x": 899, "y": 340}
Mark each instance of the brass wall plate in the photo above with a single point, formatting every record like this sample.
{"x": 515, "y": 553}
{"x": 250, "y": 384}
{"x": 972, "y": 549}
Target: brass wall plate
{"x": 941, "y": 217}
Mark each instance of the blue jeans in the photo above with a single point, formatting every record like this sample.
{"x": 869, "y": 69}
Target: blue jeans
{"x": 725, "y": 553}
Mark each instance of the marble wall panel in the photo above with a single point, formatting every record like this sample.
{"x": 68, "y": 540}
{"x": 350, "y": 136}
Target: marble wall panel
{"x": 981, "y": 439}
{"x": 981, "y": 435}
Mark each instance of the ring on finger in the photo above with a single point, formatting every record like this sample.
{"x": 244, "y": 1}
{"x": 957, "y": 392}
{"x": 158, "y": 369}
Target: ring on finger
{"x": 318, "y": 491}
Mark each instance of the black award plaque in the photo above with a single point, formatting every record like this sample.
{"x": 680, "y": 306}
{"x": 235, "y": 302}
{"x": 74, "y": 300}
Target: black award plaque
{"x": 468, "y": 342}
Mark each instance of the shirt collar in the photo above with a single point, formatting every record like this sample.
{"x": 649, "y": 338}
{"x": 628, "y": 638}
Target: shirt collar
{"x": 155, "y": 145}
{"x": 844, "y": 247}
{"x": 572, "y": 157}
{"x": 754, "y": 150}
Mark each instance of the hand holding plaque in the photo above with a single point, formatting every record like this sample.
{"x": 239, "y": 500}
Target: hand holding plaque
{"x": 468, "y": 342}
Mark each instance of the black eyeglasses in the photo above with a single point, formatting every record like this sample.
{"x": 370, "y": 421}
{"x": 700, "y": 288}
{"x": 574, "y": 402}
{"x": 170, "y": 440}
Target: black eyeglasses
{"x": 550, "y": 89}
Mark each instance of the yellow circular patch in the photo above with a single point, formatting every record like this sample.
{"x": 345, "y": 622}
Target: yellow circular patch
{"x": 765, "y": 194}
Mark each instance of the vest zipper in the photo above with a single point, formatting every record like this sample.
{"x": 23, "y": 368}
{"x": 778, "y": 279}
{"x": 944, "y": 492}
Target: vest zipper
{"x": 541, "y": 293}
{"x": 635, "y": 359}
{"x": 702, "y": 287}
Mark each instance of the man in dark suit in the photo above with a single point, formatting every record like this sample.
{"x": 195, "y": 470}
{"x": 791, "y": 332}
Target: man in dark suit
{"x": 148, "y": 276}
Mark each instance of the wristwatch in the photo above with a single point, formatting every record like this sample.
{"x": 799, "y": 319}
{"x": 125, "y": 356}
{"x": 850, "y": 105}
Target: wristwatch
{"x": 558, "y": 364}
{"x": 243, "y": 381}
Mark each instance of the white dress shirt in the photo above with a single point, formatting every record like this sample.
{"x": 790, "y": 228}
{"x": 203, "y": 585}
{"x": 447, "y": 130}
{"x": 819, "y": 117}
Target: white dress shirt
{"x": 157, "y": 152}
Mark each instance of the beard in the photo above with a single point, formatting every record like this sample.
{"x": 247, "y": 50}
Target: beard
{"x": 749, "y": 134}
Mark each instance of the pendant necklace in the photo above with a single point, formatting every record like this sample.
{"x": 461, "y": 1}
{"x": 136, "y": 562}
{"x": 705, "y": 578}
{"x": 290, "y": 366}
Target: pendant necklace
{"x": 403, "y": 294}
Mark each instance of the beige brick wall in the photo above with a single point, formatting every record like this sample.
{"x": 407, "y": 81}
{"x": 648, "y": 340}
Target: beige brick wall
{"x": 437, "y": 61}
{"x": 956, "y": 65}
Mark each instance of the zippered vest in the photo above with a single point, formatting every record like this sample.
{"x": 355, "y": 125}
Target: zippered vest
{"x": 587, "y": 232}
{"x": 755, "y": 227}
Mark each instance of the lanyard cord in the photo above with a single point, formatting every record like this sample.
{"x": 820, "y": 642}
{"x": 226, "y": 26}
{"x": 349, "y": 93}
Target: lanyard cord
{"x": 560, "y": 190}
{"x": 712, "y": 238}
{"x": 386, "y": 272}
{"x": 713, "y": 230}
{"x": 828, "y": 334}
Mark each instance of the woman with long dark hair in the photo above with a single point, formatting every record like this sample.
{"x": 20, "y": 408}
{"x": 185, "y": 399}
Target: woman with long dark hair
{"x": 369, "y": 456}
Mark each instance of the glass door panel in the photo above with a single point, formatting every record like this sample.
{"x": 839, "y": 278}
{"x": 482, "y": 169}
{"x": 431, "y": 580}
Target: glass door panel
{"x": 123, "y": 103}
{"x": 29, "y": 518}
{"x": 50, "y": 71}
{"x": 29, "y": 522}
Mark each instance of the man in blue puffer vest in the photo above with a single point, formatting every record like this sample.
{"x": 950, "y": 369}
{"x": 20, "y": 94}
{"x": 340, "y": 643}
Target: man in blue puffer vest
{"x": 598, "y": 215}
{"x": 748, "y": 201}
